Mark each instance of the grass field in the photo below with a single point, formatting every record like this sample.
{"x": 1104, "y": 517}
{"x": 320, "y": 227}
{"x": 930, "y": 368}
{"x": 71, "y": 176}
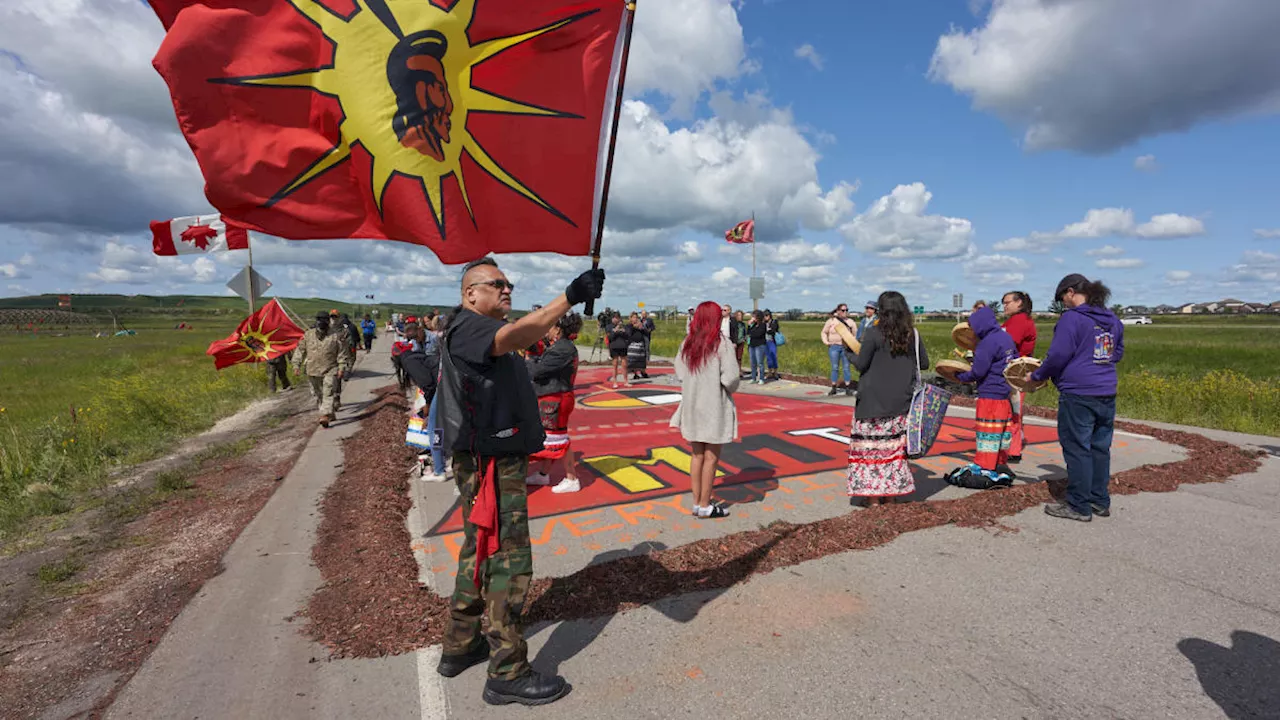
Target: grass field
{"x": 1218, "y": 372}
{"x": 73, "y": 407}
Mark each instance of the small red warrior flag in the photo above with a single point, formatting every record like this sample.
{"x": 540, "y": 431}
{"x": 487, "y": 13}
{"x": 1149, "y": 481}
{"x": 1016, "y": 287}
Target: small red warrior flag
{"x": 197, "y": 234}
{"x": 266, "y": 334}
{"x": 742, "y": 233}
{"x": 470, "y": 127}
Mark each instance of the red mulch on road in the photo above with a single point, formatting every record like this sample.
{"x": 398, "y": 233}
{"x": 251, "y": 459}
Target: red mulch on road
{"x": 371, "y": 603}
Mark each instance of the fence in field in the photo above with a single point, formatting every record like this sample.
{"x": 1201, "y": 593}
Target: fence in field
{"x": 22, "y": 319}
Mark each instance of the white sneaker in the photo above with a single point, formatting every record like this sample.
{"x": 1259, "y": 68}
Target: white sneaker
{"x": 432, "y": 477}
{"x": 538, "y": 479}
{"x": 567, "y": 485}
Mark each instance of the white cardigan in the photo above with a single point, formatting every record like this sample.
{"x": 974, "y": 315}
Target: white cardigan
{"x": 706, "y": 412}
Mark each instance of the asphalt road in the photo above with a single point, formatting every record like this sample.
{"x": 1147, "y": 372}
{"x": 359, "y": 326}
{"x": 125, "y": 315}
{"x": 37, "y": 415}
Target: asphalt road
{"x": 1171, "y": 608}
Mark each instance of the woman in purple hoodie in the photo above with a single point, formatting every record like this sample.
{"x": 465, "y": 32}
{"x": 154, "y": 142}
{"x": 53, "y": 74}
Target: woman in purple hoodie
{"x": 990, "y": 466}
{"x": 1087, "y": 343}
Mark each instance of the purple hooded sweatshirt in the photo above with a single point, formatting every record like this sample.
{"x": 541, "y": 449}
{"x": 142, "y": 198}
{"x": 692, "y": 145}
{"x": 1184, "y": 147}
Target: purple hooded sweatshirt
{"x": 995, "y": 350}
{"x": 1087, "y": 343}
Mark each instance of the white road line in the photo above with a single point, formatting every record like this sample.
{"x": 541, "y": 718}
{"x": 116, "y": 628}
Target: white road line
{"x": 431, "y": 697}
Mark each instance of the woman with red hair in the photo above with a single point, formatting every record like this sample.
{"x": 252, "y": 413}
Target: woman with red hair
{"x": 708, "y": 372}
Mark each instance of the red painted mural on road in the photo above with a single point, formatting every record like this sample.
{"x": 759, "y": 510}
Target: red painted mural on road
{"x": 627, "y": 454}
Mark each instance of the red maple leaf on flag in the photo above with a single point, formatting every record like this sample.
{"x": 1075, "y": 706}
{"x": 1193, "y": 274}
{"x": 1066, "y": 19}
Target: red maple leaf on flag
{"x": 199, "y": 235}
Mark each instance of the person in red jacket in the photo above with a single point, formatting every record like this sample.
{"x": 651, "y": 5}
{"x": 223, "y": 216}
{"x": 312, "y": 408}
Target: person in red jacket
{"x": 1022, "y": 328}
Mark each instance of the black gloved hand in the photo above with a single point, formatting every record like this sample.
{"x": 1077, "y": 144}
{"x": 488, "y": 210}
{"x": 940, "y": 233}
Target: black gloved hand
{"x": 587, "y": 286}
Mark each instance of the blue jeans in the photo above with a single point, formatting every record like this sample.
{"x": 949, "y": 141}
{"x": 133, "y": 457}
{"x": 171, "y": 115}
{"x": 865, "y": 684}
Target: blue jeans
{"x": 757, "y": 362}
{"x": 1085, "y": 426}
{"x": 772, "y": 349}
{"x": 437, "y": 453}
{"x": 835, "y": 353}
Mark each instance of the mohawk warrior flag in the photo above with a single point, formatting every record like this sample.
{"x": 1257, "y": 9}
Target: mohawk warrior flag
{"x": 196, "y": 234}
{"x": 266, "y": 334}
{"x": 742, "y": 233}
{"x": 470, "y": 127}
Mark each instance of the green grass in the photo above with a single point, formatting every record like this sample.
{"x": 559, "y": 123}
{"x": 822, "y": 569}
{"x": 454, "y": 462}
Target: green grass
{"x": 74, "y": 407}
{"x": 1218, "y": 372}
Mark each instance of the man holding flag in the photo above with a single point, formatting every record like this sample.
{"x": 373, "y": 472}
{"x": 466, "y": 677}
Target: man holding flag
{"x": 490, "y": 422}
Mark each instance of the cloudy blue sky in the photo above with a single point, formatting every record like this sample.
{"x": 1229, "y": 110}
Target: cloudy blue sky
{"x": 930, "y": 146}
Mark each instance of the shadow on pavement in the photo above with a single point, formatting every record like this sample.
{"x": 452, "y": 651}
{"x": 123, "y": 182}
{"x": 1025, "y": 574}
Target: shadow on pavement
{"x": 1244, "y": 679}
{"x": 620, "y": 579}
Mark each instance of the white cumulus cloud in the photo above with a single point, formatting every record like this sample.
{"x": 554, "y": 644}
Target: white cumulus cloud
{"x": 681, "y": 48}
{"x": 896, "y": 226}
{"x": 1105, "y": 251}
{"x": 716, "y": 172}
{"x": 808, "y": 52}
{"x": 1145, "y": 163}
{"x": 1093, "y": 76}
{"x": 1267, "y": 233}
{"x": 1120, "y": 263}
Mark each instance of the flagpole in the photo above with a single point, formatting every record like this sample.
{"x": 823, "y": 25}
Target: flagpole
{"x": 589, "y": 310}
{"x": 755, "y": 302}
{"x": 249, "y": 247}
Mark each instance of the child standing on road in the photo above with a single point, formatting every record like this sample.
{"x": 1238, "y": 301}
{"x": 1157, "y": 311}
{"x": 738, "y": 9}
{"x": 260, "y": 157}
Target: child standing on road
{"x": 990, "y": 466}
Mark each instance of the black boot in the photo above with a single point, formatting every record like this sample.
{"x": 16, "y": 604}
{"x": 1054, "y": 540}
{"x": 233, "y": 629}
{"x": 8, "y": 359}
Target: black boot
{"x": 532, "y": 688}
{"x": 453, "y": 665}
{"x": 834, "y": 389}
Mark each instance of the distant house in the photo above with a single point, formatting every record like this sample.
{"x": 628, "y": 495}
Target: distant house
{"x": 1231, "y": 305}
{"x": 1136, "y": 310}
{"x": 1274, "y": 307}
{"x": 1188, "y": 309}
{"x": 1165, "y": 310}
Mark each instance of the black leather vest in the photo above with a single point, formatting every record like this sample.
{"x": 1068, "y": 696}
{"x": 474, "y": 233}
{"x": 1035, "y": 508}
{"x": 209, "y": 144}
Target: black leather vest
{"x": 491, "y": 414}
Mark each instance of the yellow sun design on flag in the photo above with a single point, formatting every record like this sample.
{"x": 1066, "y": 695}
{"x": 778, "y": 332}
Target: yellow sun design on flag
{"x": 401, "y": 72}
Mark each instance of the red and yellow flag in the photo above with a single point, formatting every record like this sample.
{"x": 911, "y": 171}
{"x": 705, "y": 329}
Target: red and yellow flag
{"x": 742, "y": 233}
{"x": 266, "y": 334}
{"x": 467, "y": 126}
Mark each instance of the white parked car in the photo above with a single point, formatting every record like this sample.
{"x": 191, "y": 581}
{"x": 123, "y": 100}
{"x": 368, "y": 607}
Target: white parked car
{"x": 1136, "y": 320}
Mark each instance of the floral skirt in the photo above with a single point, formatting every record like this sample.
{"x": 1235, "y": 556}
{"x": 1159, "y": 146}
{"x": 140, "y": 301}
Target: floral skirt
{"x": 878, "y": 464}
{"x": 555, "y": 410}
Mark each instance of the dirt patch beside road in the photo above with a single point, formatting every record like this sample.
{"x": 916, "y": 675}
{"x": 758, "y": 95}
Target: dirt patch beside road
{"x": 371, "y": 603}
{"x": 85, "y": 610}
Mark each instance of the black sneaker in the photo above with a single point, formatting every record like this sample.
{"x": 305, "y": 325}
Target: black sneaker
{"x": 454, "y": 665}
{"x": 532, "y": 688}
{"x": 834, "y": 390}
{"x": 1099, "y": 510}
{"x": 1066, "y": 512}
{"x": 1006, "y": 470}
{"x": 1015, "y": 459}
{"x": 849, "y": 391}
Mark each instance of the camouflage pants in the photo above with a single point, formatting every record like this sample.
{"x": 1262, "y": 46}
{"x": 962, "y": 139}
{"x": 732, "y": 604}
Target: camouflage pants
{"x": 505, "y": 575}
{"x": 324, "y": 392}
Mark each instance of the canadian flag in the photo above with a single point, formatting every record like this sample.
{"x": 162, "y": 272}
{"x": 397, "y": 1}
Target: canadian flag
{"x": 197, "y": 234}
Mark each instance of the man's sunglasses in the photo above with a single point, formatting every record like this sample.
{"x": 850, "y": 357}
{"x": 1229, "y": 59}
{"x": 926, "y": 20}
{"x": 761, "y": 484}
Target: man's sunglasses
{"x": 498, "y": 285}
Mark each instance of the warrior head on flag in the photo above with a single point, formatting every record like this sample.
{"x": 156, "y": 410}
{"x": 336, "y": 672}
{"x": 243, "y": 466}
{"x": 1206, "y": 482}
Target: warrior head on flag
{"x": 742, "y": 233}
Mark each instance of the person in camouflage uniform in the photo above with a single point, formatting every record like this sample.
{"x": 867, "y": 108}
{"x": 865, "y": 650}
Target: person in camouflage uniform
{"x": 488, "y": 416}
{"x": 322, "y": 353}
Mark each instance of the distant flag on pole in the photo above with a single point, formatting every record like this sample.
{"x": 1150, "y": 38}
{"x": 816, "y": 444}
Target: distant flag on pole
{"x": 742, "y": 233}
{"x": 197, "y": 234}
{"x": 64, "y": 301}
{"x": 266, "y": 334}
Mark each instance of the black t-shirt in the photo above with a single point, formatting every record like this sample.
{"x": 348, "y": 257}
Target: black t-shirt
{"x": 471, "y": 338}
{"x": 489, "y": 404}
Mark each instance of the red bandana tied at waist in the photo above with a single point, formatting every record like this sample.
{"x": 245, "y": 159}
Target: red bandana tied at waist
{"x": 484, "y": 514}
